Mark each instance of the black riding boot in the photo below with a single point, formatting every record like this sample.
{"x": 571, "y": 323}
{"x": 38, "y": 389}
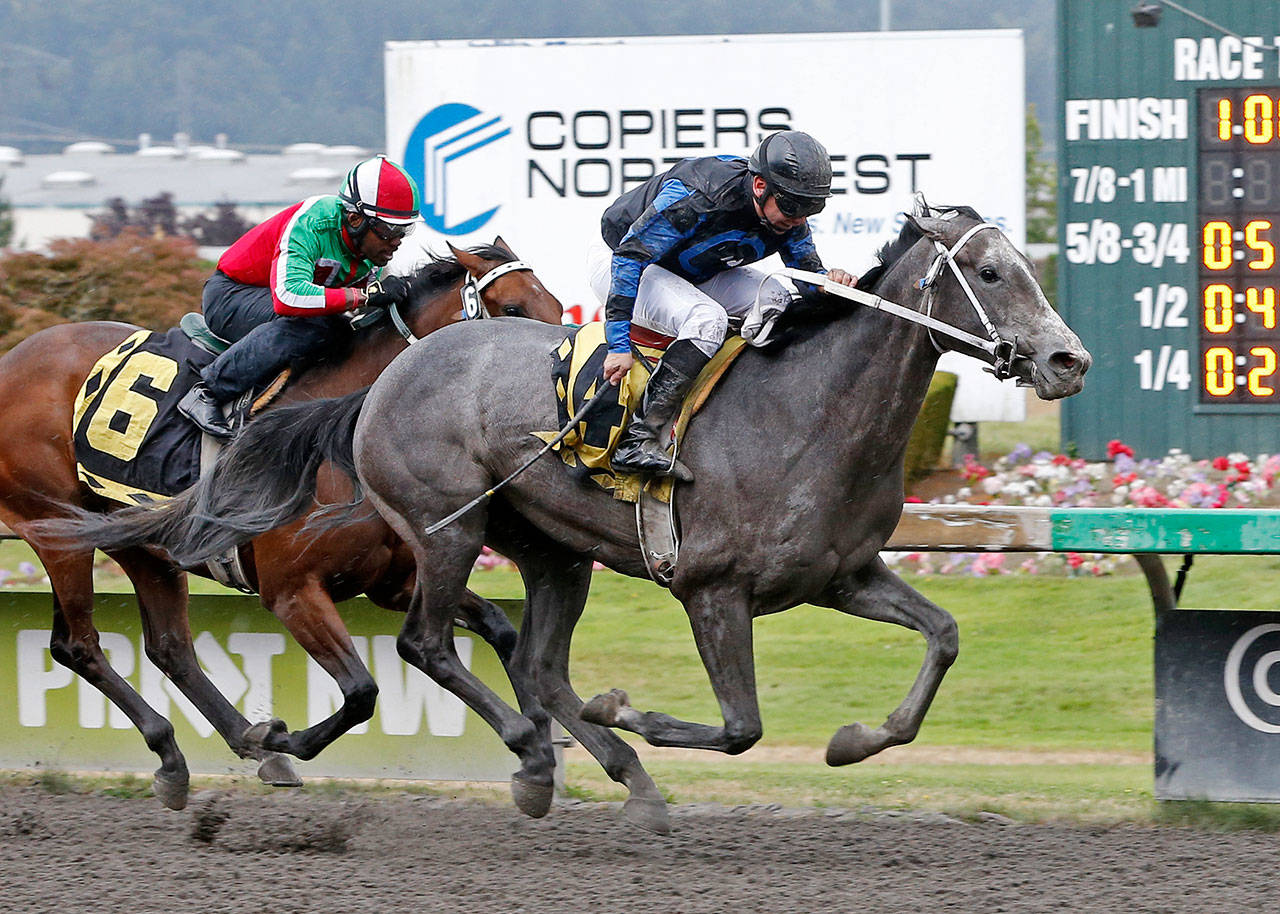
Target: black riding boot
{"x": 201, "y": 408}
{"x": 639, "y": 450}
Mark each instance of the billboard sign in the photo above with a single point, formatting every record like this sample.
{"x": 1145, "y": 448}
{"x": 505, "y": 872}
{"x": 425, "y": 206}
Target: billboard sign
{"x": 54, "y": 719}
{"x": 532, "y": 139}
{"x": 1217, "y": 731}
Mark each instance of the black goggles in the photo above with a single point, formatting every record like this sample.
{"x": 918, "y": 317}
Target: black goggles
{"x": 791, "y": 207}
{"x": 388, "y": 232}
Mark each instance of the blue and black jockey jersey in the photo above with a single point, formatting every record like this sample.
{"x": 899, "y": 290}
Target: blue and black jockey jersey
{"x": 697, "y": 219}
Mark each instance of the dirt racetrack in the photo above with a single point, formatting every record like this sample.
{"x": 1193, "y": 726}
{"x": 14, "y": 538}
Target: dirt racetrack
{"x": 288, "y": 852}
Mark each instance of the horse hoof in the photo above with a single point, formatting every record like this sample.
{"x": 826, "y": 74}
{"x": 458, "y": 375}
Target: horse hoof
{"x": 259, "y": 733}
{"x": 603, "y": 709}
{"x": 649, "y": 814}
{"x": 534, "y": 800}
{"x": 853, "y": 743}
{"x": 277, "y": 770}
{"x": 171, "y": 790}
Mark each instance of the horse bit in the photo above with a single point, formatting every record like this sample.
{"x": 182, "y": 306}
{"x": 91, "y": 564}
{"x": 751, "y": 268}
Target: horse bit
{"x": 1003, "y": 352}
{"x": 472, "y": 303}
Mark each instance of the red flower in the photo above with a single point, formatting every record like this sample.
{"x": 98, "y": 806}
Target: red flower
{"x": 913, "y": 500}
{"x": 1061, "y": 460}
{"x": 1075, "y": 559}
{"x": 974, "y": 471}
{"x": 1221, "y": 463}
{"x": 1115, "y": 446}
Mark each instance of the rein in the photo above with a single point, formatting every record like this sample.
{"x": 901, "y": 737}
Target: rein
{"x": 1002, "y": 351}
{"x": 472, "y": 302}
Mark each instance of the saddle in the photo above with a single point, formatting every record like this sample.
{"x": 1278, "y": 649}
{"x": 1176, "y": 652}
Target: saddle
{"x": 586, "y": 450}
{"x": 131, "y": 444}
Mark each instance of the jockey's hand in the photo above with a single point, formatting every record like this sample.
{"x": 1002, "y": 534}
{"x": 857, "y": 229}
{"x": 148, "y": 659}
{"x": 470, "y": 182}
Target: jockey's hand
{"x": 388, "y": 291}
{"x": 843, "y": 277}
{"x": 616, "y": 366}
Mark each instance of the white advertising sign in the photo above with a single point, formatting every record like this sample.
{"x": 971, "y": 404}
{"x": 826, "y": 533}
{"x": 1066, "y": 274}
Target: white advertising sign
{"x": 532, "y": 139}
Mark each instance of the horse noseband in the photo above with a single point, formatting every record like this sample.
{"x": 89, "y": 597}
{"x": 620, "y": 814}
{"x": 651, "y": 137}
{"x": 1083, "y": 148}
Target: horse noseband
{"x": 472, "y": 303}
{"x": 1003, "y": 351}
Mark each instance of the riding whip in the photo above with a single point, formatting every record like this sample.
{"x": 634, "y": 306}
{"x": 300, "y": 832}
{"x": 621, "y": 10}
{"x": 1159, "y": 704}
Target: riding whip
{"x": 560, "y": 436}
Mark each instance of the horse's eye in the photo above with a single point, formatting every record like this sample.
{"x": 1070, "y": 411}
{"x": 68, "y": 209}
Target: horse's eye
{"x": 513, "y": 311}
{"x": 988, "y": 274}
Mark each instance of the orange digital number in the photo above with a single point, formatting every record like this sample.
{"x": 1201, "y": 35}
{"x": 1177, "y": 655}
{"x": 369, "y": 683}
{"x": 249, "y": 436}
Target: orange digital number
{"x": 1219, "y": 315}
{"x": 1219, "y": 371}
{"x": 1263, "y": 371}
{"x": 1258, "y": 125}
{"x": 1262, "y": 301}
{"x": 1224, "y": 119}
{"x": 1217, "y": 245}
{"x": 1266, "y": 250}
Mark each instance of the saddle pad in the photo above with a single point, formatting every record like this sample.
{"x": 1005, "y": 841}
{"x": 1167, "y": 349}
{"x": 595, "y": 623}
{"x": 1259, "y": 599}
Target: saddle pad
{"x": 131, "y": 444}
{"x": 575, "y": 372}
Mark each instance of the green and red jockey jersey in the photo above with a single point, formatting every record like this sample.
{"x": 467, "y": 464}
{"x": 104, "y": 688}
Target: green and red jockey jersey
{"x": 302, "y": 255}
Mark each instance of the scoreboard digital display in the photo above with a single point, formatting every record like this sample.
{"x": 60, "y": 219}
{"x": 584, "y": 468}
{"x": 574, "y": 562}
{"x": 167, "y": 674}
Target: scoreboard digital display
{"x": 1169, "y": 224}
{"x": 1238, "y": 217}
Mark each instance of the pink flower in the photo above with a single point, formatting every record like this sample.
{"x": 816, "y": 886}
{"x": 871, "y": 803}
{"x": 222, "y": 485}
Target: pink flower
{"x": 1148, "y": 497}
{"x": 1075, "y": 559}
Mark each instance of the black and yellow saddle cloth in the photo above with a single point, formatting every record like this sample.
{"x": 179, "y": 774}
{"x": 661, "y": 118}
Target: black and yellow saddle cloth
{"x": 131, "y": 444}
{"x": 575, "y": 371}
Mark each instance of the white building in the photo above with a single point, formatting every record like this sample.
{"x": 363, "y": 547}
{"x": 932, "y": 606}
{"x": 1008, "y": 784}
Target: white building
{"x": 54, "y": 196}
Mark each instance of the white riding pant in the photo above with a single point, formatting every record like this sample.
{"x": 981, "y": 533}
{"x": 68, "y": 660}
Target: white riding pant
{"x": 675, "y": 307}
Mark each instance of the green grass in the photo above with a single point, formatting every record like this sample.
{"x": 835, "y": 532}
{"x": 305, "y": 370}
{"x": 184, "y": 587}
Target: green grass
{"x": 1049, "y": 664}
{"x": 1053, "y": 689}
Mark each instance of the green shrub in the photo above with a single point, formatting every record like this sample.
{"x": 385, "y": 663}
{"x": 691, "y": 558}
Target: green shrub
{"x": 929, "y": 434}
{"x": 147, "y": 281}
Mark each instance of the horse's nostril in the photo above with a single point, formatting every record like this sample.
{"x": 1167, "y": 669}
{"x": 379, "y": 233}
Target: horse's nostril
{"x": 1067, "y": 361}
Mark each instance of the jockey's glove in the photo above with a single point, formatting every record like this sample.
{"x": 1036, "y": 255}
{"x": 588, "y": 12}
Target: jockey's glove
{"x": 388, "y": 291}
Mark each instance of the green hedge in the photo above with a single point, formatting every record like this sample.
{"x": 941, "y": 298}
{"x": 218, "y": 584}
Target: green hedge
{"x": 137, "y": 279}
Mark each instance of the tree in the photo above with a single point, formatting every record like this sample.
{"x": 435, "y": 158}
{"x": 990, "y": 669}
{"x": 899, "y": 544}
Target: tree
{"x": 133, "y": 277}
{"x": 1042, "y": 186}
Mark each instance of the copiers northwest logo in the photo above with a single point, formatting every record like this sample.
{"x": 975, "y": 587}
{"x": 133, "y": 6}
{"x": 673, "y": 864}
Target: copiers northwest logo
{"x": 452, "y": 155}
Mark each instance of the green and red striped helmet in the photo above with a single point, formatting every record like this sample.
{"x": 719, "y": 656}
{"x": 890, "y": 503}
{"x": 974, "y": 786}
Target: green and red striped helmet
{"x": 380, "y": 189}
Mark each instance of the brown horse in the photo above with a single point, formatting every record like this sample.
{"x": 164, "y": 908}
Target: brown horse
{"x": 299, "y": 576}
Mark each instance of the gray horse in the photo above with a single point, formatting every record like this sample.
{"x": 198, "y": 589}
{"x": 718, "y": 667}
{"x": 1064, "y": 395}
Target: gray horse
{"x": 797, "y": 457}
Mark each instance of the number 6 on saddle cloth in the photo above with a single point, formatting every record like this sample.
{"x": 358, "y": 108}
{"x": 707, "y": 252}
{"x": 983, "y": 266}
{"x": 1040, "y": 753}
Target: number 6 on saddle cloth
{"x": 132, "y": 446}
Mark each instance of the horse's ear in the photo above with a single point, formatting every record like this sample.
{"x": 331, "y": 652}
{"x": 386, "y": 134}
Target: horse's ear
{"x": 499, "y": 243}
{"x": 934, "y": 229}
{"x": 470, "y": 262}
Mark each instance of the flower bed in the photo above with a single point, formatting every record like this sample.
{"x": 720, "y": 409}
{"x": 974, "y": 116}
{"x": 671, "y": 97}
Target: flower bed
{"x": 1057, "y": 480}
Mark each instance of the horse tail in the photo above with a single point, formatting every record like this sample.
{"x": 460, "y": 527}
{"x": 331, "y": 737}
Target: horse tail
{"x": 265, "y": 478}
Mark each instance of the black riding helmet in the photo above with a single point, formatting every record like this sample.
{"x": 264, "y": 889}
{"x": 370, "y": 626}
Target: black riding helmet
{"x": 796, "y": 169}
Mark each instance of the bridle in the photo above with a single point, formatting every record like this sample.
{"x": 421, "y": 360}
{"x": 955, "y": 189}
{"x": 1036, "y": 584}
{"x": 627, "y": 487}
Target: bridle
{"x": 1003, "y": 352}
{"x": 472, "y": 302}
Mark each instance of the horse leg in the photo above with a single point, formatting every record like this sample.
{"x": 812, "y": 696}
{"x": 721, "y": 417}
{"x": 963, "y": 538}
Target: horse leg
{"x": 557, "y": 588}
{"x": 877, "y": 593}
{"x": 721, "y": 623}
{"x": 426, "y": 641}
{"x": 74, "y": 644}
{"x": 486, "y": 619}
{"x": 161, "y": 589}
{"x": 308, "y": 612}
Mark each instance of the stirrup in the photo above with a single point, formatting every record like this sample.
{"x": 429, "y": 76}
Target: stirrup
{"x": 638, "y": 459}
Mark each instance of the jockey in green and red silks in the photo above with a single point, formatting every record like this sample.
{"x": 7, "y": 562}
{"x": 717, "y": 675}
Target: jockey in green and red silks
{"x": 279, "y": 292}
